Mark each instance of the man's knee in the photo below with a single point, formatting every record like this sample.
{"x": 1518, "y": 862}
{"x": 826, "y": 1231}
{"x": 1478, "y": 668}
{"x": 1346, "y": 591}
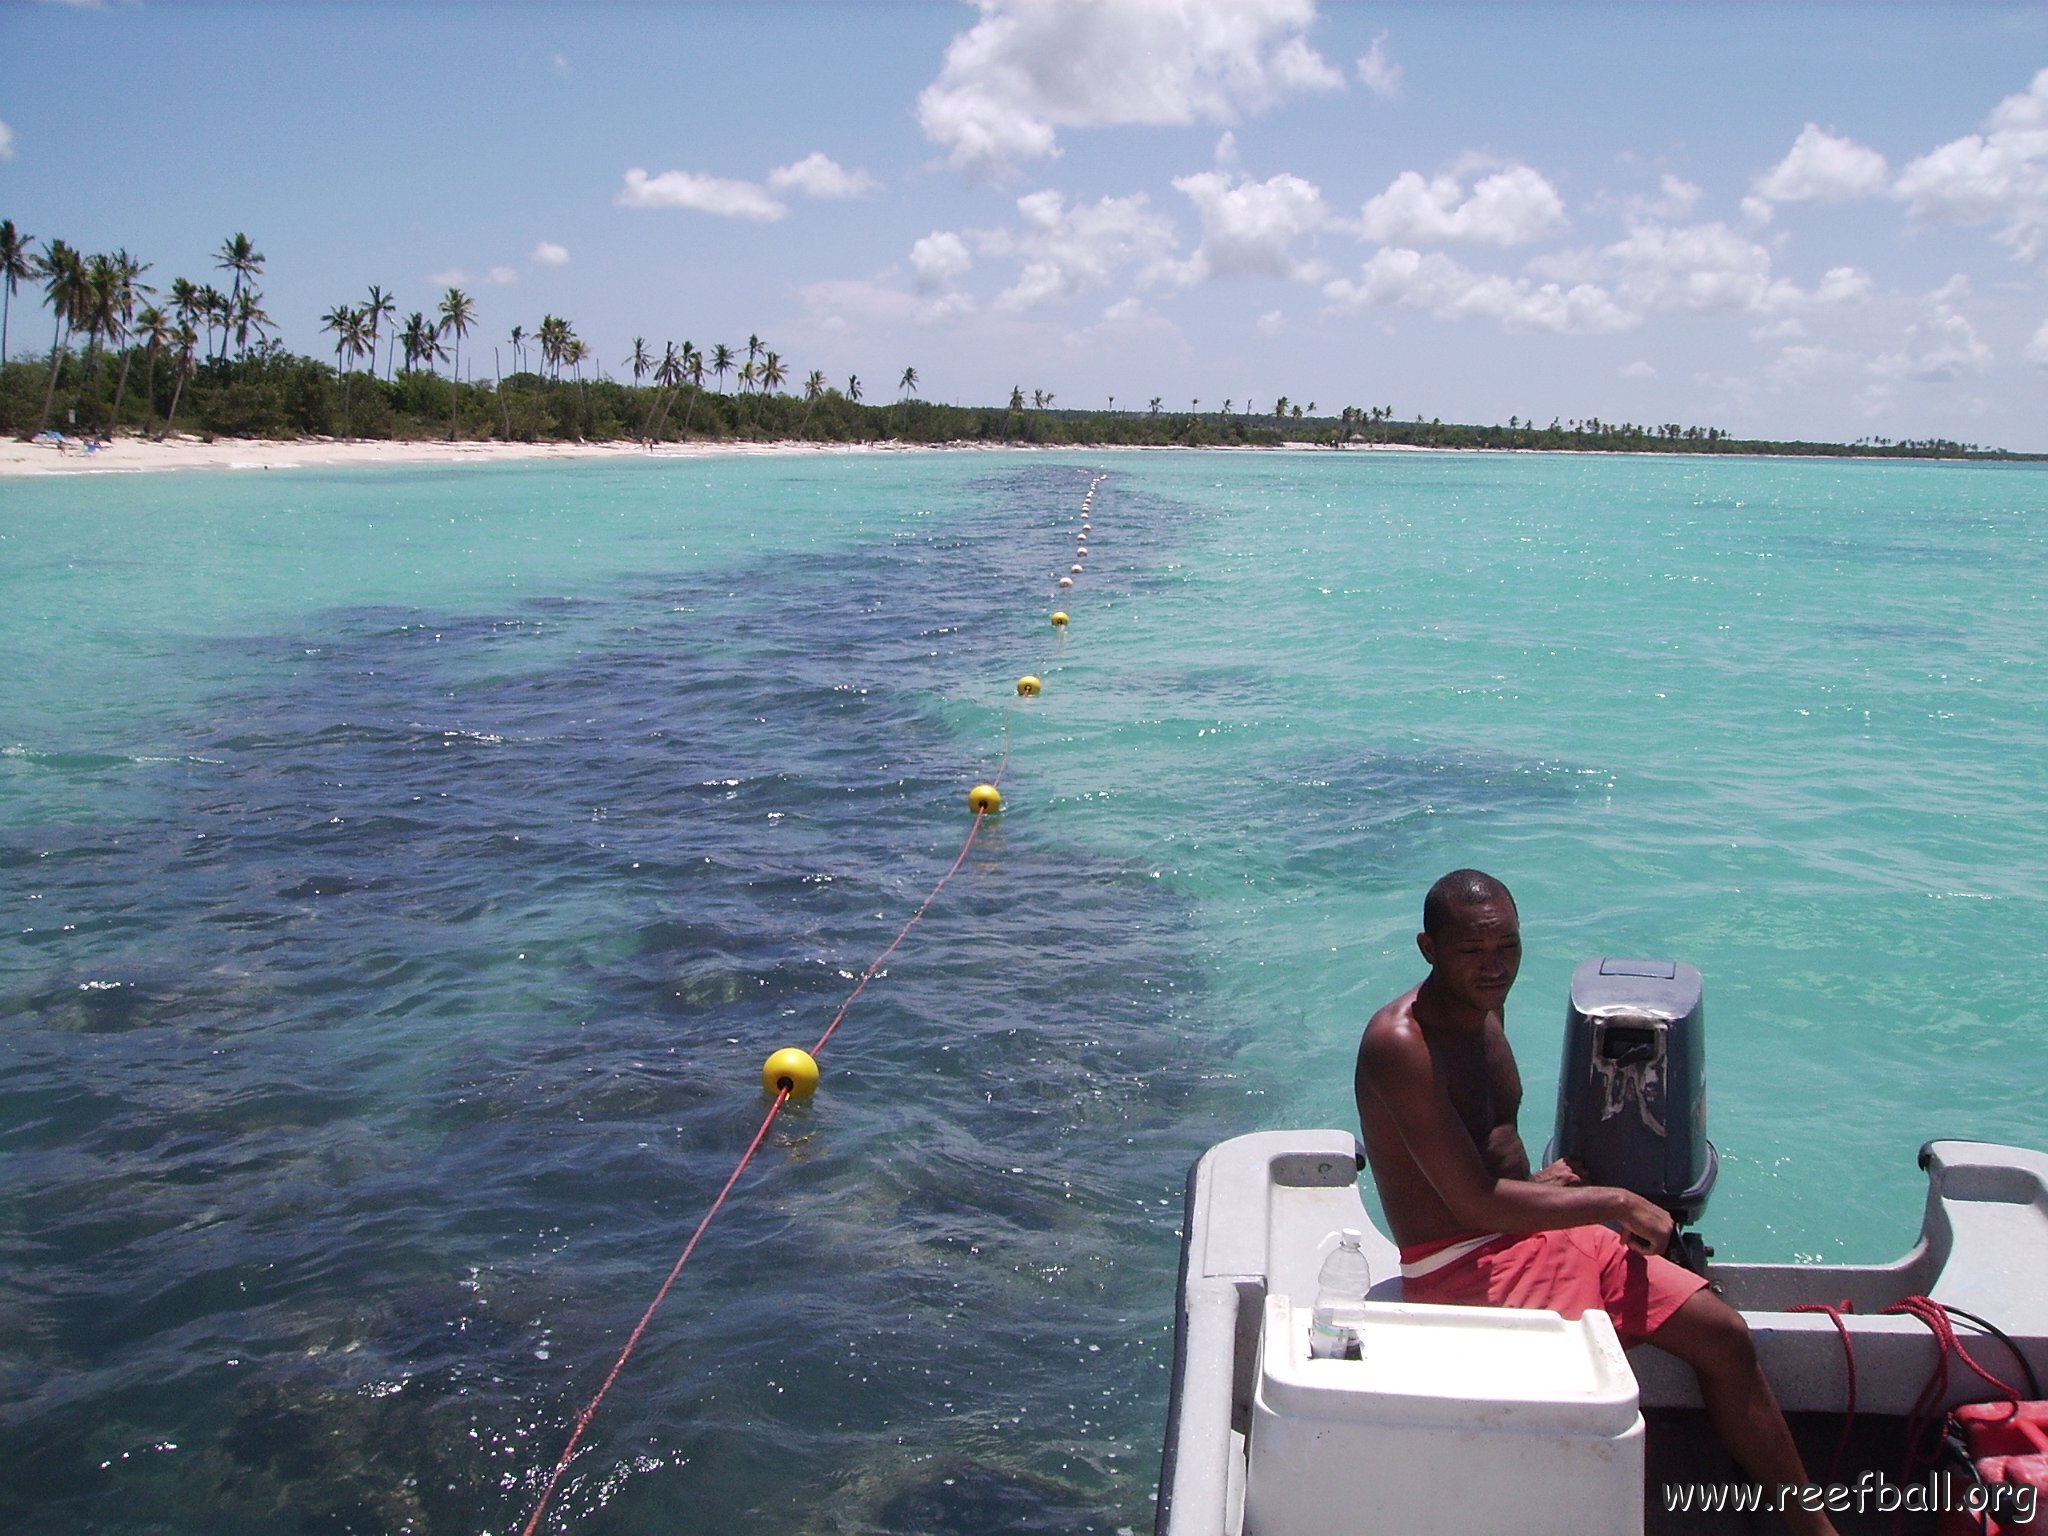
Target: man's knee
{"x": 1707, "y": 1334}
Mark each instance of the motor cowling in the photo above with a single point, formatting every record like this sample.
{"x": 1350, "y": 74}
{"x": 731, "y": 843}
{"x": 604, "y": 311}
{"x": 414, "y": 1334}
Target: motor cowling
{"x": 1632, "y": 1091}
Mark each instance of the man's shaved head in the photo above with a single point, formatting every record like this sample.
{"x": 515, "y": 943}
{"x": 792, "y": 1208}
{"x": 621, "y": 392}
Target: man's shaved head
{"x": 1460, "y": 888}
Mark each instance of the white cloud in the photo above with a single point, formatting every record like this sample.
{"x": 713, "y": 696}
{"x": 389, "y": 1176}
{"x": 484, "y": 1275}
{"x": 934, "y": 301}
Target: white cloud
{"x": 1690, "y": 267}
{"x": 1676, "y": 197}
{"x": 502, "y": 276}
{"x": 1639, "y": 370}
{"x": 1071, "y": 251}
{"x": 1248, "y": 226}
{"x": 1996, "y": 177}
{"x": 1940, "y": 348}
{"x": 1844, "y": 285}
{"x": 1439, "y": 286}
{"x": 1031, "y": 67}
{"x": 702, "y": 194}
{"x": 1273, "y": 322}
{"x": 1757, "y": 210}
{"x": 1511, "y": 207}
{"x": 1379, "y": 73}
{"x": 6, "y": 142}
{"x": 843, "y": 305}
{"x": 549, "y": 254}
{"x": 2037, "y": 349}
{"x": 939, "y": 259}
{"x": 1823, "y": 168}
{"x": 450, "y": 277}
{"x": 818, "y": 175}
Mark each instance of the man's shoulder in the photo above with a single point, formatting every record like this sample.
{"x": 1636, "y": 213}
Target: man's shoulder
{"x": 1392, "y": 1031}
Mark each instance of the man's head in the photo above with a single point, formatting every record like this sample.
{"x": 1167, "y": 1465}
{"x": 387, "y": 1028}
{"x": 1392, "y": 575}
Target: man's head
{"x": 1472, "y": 938}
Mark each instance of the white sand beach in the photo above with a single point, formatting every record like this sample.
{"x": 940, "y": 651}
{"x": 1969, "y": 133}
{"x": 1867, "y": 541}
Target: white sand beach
{"x": 137, "y": 454}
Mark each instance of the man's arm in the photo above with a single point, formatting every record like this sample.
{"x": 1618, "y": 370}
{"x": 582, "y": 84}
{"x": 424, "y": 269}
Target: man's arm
{"x": 1395, "y": 1068}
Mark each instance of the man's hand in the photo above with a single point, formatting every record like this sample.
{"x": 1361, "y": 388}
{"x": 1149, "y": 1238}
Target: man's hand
{"x": 1646, "y": 1227}
{"x": 1560, "y": 1173}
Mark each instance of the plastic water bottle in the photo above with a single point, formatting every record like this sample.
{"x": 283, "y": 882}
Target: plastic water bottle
{"x": 1345, "y": 1279}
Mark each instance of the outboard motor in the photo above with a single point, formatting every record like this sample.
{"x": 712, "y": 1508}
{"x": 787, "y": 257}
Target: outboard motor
{"x": 1632, "y": 1093}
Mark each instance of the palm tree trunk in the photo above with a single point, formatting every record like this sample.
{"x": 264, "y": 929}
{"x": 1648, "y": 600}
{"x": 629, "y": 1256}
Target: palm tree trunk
{"x": 50, "y": 394}
{"x": 173, "y": 413}
{"x": 120, "y": 389}
{"x": 504, "y": 406}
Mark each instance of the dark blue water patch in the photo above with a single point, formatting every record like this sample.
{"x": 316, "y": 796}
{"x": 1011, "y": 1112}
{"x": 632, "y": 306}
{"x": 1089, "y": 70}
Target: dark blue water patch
{"x": 358, "y": 1100}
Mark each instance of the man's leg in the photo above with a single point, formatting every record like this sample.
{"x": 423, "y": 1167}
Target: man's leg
{"x": 1711, "y": 1337}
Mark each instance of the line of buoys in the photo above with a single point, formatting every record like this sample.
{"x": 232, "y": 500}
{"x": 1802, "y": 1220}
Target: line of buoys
{"x": 792, "y": 1073}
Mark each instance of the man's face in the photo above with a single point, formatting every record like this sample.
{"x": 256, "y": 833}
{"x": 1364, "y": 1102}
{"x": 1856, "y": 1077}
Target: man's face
{"x": 1477, "y": 955}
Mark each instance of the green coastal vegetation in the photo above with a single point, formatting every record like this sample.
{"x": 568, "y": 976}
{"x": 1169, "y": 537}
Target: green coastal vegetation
{"x": 204, "y": 358}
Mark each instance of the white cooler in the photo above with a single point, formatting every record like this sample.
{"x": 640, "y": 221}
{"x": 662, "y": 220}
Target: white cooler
{"x": 1456, "y": 1420}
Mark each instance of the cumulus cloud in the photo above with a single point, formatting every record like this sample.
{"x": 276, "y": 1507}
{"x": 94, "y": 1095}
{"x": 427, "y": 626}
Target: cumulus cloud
{"x": 939, "y": 259}
{"x": 1823, "y": 168}
{"x": 1378, "y": 72}
{"x": 549, "y": 254}
{"x": 1639, "y": 370}
{"x": 1676, "y": 197}
{"x": 1942, "y": 346}
{"x": 1695, "y": 268}
{"x": 1437, "y": 285}
{"x": 2037, "y": 349}
{"x": 1999, "y": 176}
{"x": 1511, "y": 207}
{"x": 502, "y": 276}
{"x": 1068, "y": 252}
{"x": 819, "y": 175}
{"x": 1249, "y": 227}
{"x": 701, "y": 194}
{"x": 1031, "y": 67}
{"x": 1273, "y": 322}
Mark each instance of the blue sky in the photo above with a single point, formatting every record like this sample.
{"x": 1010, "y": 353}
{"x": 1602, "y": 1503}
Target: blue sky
{"x": 1810, "y": 220}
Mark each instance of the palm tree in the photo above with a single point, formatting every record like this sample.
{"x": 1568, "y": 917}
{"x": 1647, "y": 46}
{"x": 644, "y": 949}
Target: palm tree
{"x": 668, "y": 374}
{"x": 249, "y": 316}
{"x": 347, "y": 325}
{"x": 239, "y": 256}
{"x": 754, "y": 348}
{"x": 378, "y": 307}
{"x": 187, "y": 340}
{"x": 122, "y": 320}
{"x": 721, "y": 364}
{"x": 772, "y": 375}
{"x": 693, "y": 370}
{"x": 518, "y": 339}
{"x": 458, "y": 313}
{"x": 908, "y": 382}
{"x": 853, "y": 388}
{"x": 555, "y": 336}
{"x": 1153, "y": 407}
{"x": 15, "y": 264}
{"x": 61, "y": 271}
{"x": 154, "y": 327}
{"x": 814, "y": 391}
{"x": 640, "y": 360}
{"x": 1016, "y": 397}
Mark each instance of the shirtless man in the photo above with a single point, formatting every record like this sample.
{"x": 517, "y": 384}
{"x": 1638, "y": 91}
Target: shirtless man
{"x": 1438, "y": 1094}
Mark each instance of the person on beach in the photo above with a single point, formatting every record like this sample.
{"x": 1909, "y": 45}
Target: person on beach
{"x": 1438, "y": 1094}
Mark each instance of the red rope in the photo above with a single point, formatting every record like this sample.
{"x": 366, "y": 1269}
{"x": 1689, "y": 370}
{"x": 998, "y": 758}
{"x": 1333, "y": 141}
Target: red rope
{"x": 1849, "y": 1360}
{"x": 781, "y": 1098}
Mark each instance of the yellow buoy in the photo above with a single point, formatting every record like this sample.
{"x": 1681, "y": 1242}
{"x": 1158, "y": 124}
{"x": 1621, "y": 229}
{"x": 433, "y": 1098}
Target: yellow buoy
{"x": 1059, "y": 621}
{"x": 792, "y": 1069}
{"x": 1066, "y": 581}
{"x": 984, "y": 799}
{"x": 1028, "y": 686}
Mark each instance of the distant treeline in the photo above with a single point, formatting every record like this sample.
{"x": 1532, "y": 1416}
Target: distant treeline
{"x": 271, "y": 393}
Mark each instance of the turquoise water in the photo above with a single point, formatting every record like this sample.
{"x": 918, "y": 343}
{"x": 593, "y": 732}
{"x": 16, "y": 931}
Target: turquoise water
{"x": 406, "y": 872}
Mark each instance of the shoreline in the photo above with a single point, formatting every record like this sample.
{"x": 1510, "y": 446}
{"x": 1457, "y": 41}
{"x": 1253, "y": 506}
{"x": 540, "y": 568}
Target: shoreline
{"x": 138, "y": 455}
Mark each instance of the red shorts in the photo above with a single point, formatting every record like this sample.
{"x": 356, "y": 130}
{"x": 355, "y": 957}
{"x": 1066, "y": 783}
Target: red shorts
{"x": 1569, "y": 1271}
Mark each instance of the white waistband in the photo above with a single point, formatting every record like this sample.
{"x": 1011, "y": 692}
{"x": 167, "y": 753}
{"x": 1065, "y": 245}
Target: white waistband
{"x": 1443, "y": 1258}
